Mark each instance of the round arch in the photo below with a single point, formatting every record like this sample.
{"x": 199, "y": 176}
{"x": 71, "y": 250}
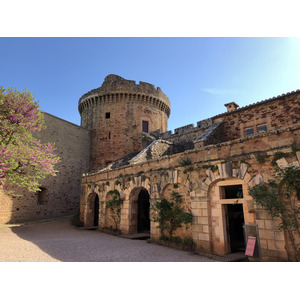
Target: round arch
{"x": 139, "y": 210}
{"x": 92, "y": 217}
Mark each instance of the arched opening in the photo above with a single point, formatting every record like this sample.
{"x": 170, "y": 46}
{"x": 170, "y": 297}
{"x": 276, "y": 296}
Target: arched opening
{"x": 139, "y": 201}
{"x": 143, "y": 216}
{"x": 92, "y": 210}
{"x": 96, "y": 211}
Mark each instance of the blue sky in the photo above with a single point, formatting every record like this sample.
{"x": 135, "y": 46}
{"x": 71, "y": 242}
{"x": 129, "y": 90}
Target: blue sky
{"x": 199, "y": 75}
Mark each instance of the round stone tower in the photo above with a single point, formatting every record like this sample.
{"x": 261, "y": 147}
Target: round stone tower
{"x": 117, "y": 113}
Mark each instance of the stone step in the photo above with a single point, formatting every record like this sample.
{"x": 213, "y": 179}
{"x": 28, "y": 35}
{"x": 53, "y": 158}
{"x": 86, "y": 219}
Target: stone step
{"x": 136, "y": 236}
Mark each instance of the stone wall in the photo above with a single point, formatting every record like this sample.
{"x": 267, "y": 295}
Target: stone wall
{"x": 62, "y": 192}
{"x": 225, "y": 164}
{"x": 275, "y": 113}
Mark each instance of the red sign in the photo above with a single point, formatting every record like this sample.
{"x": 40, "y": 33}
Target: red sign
{"x": 250, "y": 246}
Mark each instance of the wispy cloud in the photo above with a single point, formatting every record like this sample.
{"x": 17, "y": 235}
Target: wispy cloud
{"x": 216, "y": 91}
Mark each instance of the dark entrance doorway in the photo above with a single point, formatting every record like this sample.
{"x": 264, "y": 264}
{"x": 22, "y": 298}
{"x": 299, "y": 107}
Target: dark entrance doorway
{"x": 235, "y": 222}
{"x": 143, "y": 212}
{"x": 96, "y": 211}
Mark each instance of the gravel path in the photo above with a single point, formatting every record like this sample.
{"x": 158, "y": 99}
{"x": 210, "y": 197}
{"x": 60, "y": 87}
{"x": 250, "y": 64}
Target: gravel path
{"x": 60, "y": 241}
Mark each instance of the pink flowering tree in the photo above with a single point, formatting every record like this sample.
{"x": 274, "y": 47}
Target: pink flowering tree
{"x": 24, "y": 161}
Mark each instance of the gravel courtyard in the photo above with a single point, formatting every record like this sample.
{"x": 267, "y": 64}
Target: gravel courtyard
{"x": 60, "y": 241}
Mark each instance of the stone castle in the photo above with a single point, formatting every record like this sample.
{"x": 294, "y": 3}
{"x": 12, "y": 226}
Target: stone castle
{"x": 123, "y": 145}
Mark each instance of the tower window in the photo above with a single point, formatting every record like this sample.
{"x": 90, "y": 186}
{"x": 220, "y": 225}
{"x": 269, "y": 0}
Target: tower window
{"x": 145, "y": 125}
{"x": 109, "y": 135}
{"x": 107, "y": 115}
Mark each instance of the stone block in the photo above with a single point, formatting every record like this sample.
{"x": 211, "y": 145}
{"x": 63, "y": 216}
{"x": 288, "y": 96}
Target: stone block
{"x": 197, "y": 212}
{"x": 271, "y": 224}
{"x": 207, "y": 181}
{"x": 202, "y": 220}
{"x": 235, "y": 173}
{"x": 243, "y": 170}
{"x": 279, "y": 235}
{"x": 203, "y": 186}
{"x": 260, "y": 224}
{"x": 210, "y": 175}
{"x": 205, "y": 228}
{"x": 202, "y": 204}
{"x": 203, "y": 236}
{"x": 298, "y": 155}
{"x": 263, "y": 244}
{"x": 225, "y": 170}
{"x": 266, "y": 234}
{"x": 247, "y": 178}
{"x": 256, "y": 180}
{"x": 197, "y": 228}
{"x": 282, "y": 163}
{"x": 276, "y": 245}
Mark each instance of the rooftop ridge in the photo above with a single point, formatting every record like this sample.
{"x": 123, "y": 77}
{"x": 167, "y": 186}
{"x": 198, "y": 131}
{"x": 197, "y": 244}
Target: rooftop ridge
{"x": 258, "y": 103}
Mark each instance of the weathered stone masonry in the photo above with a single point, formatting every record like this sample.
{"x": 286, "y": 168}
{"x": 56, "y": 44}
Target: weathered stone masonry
{"x": 222, "y": 158}
{"x": 115, "y": 114}
{"x": 61, "y": 194}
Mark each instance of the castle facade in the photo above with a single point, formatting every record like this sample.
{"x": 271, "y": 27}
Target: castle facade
{"x": 123, "y": 145}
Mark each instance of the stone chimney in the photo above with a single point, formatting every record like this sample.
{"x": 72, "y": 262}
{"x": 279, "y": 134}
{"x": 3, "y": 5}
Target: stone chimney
{"x": 231, "y": 106}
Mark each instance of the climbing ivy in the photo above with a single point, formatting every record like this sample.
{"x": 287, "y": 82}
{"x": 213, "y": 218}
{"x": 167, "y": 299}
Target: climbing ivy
{"x": 170, "y": 215}
{"x": 279, "y": 197}
{"x": 114, "y": 206}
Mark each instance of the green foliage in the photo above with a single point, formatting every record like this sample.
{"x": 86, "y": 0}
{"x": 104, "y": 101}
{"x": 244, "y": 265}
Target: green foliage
{"x": 107, "y": 183}
{"x": 261, "y": 158}
{"x": 186, "y": 162}
{"x": 170, "y": 215}
{"x": 186, "y": 241}
{"x": 140, "y": 173}
{"x": 117, "y": 182}
{"x": 183, "y": 162}
{"x": 278, "y": 155}
{"x": 143, "y": 138}
{"x": 175, "y": 185}
{"x": 114, "y": 206}
{"x": 279, "y": 197}
{"x": 295, "y": 148}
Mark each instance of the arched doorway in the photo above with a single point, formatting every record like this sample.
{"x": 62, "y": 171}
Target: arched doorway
{"x": 143, "y": 216}
{"x": 139, "y": 207}
{"x": 92, "y": 216}
{"x": 96, "y": 211}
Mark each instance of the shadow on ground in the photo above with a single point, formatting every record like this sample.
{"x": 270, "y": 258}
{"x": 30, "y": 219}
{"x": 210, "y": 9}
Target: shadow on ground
{"x": 64, "y": 242}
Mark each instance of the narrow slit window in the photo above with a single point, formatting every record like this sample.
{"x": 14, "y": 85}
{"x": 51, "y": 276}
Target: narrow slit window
{"x": 42, "y": 196}
{"x": 107, "y": 115}
{"x": 109, "y": 135}
{"x": 145, "y": 126}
